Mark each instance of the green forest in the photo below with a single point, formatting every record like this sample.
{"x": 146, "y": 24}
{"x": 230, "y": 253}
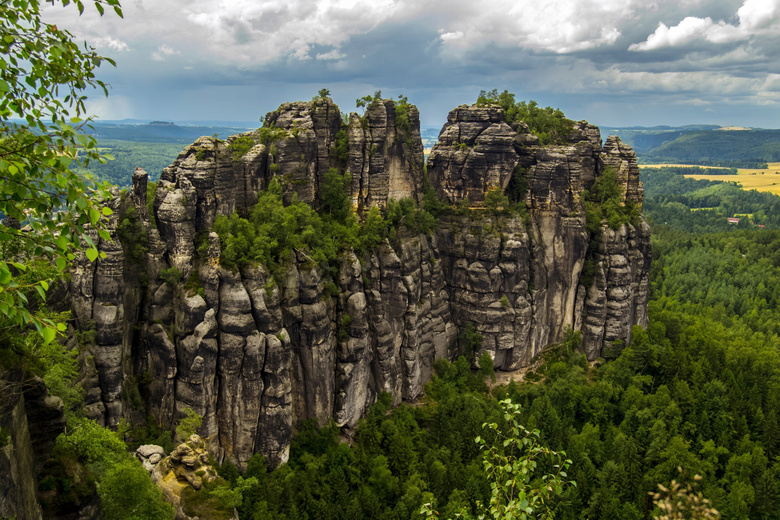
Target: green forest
{"x": 695, "y": 395}
{"x": 701, "y": 206}
{"x": 128, "y": 155}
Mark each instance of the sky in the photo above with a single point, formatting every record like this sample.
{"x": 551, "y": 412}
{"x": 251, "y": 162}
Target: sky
{"x": 610, "y": 62}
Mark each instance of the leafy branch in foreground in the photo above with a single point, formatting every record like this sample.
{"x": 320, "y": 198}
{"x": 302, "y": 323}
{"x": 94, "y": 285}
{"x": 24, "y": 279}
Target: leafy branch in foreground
{"x": 680, "y": 501}
{"x": 47, "y": 206}
{"x": 524, "y": 476}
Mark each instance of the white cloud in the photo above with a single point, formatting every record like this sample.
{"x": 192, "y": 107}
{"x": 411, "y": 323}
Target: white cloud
{"x": 759, "y": 15}
{"x": 163, "y": 52}
{"x": 772, "y": 83}
{"x": 694, "y": 102}
{"x": 755, "y": 17}
{"x": 450, "y": 36}
{"x": 333, "y": 55}
{"x": 259, "y": 31}
{"x": 110, "y": 43}
{"x": 563, "y": 26}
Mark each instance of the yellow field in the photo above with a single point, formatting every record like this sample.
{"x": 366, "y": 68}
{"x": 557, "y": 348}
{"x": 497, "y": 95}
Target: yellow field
{"x": 749, "y": 178}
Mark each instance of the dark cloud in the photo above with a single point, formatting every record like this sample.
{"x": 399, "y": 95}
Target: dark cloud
{"x": 190, "y": 60}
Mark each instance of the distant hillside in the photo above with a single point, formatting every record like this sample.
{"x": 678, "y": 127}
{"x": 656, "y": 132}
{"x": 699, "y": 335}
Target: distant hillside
{"x": 160, "y": 132}
{"x": 128, "y": 154}
{"x": 704, "y": 206}
{"x": 703, "y": 145}
{"x": 152, "y": 146}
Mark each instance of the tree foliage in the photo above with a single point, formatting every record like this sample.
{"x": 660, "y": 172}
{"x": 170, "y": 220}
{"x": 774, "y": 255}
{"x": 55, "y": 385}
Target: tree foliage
{"x": 513, "y": 464}
{"x": 239, "y": 146}
{"x": 547, "y": 123}
{"x": 368, "y": 99}
{"x": 189, "y": 425}
{"x": 127, "y": 493}
{"x": 44, "y": 75}
{"x": 274, "y": 230}
{"x": 604, "y": 203}
{"x": 681, "y": 500}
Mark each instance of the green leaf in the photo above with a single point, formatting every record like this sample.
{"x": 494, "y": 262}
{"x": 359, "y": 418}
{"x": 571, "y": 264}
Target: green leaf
{"x": 62, "y": 243}
{"x": 107, "y": 211}
{"x": 61, "y": 262}
{"x": 48, "y": 335}
{"x": 92, "y": 254}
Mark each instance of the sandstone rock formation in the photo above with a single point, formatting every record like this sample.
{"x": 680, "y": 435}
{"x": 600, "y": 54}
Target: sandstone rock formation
{"x": 254, "y": 355}
{"x": 187, "y": 468}
{"x": 30, "y": 421}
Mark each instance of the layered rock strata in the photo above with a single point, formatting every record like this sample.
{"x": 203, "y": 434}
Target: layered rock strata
{"x": 254, "y": 355}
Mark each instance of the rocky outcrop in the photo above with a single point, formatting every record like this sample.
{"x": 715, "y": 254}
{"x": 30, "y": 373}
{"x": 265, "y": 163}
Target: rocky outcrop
{"x": 298, "y": 144}
{"x": 536, "y": 268}
{"x": 256, "y": 354}
{"x": 182, "y": 473}
{"x": 385, "y": 154}
{"x": 30, "y": 421}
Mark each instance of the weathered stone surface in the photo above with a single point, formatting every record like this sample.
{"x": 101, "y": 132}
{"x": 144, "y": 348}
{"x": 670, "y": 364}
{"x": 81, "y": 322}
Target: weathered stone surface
{"x": 186, "y": 466}
{"x": 539, "y": 276}
{"x": 385, "y": 155}
{"x": 303, "y": 156}
{"x": 476, "y": 152}
{"x": 33, "y": 420}
{"x": 256, "y": 354}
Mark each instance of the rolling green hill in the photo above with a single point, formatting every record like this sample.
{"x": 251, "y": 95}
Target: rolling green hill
{"x": 703, "y": 145}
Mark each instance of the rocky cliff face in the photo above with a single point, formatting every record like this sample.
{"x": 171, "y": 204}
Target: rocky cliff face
{"x": 255, "y": 356}
{"x": 537, "y": 266}
{"x": 31, "y": 420}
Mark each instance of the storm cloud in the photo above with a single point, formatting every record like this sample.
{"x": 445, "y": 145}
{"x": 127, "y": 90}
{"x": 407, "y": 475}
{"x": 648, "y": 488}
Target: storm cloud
{"x": 613, "y": 62}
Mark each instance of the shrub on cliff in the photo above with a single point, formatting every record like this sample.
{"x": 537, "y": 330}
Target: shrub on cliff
{"x": 547, "y": 123}
{"x": 273, "y": 231}
{"x": 604, "y": 202}
{"x": 240, "y": 146}
{"x": 369, "y": 100}
{"x": 132, "y": 235}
